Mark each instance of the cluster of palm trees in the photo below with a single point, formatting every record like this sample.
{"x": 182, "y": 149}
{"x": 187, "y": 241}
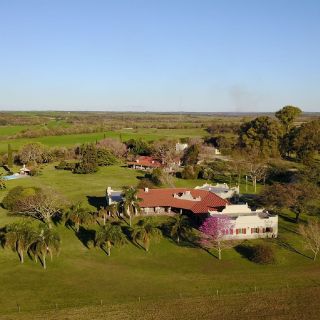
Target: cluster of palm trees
{"x": 39, "y": 242}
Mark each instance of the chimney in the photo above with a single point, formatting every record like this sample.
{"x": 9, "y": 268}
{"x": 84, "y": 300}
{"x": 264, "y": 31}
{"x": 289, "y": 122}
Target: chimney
{"x": 146, "y": 189}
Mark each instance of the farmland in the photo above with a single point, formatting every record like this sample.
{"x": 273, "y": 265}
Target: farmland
{"x": 172, "y": 281}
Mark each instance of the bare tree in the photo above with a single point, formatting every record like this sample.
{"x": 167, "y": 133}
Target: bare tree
{"x": 43, "y": 205}
{"x": 311, "y": 236}
{"x": 164, "y": 151}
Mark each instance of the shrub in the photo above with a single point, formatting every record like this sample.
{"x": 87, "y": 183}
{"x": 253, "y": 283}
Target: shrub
{"x": 145, "y": 183}
{"x": 106, "y": 157}
{"x": 263, "y": 254}
{"x": 16, "y": 194}
{"x": 190, "y": 172}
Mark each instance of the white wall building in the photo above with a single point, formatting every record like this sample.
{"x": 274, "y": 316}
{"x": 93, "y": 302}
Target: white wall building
{"x": 248, "y": 224}
{"x": 181, "y": 147}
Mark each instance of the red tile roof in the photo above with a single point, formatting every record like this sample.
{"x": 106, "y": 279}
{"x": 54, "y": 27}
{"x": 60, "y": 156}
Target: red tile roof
{"x": 165, "y": 198}
{"x": 146, "y": 161}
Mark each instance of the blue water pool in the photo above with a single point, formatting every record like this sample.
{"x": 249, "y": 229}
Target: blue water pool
{"x": 11, "y": 177}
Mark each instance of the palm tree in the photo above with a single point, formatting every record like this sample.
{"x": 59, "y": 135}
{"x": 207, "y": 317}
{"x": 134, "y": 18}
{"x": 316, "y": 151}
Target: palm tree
{"x": 130, "y": 202}
{"x": 113, "y": 209}
{"x": 47, "y": 242}
{"x": 79, "y": 215}
{"x": 110, "y": 235}
{"x": 145, "y": 232}
{"x": 103, "y": 213}
{"x": 19, "y": 236}
{"x": 179, "y": 226}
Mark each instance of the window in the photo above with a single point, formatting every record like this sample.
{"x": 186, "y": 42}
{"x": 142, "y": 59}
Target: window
{"x": 231, "y": 231}
{"x": 269, "y": 229}
{"x": 244, "y": 231}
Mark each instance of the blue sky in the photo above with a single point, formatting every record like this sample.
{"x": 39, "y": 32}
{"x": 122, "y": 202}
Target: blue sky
{"x": 164, "y": 55}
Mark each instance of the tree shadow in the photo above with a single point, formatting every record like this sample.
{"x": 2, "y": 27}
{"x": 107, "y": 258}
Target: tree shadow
{"x": 245, "y": 250}
{"x": 286, "y": 245}
{"x": 286, "y": 218}
{"x": 127, "y": 231}
{"x": 97, "y": 202}
{"x": 86, "y": 236}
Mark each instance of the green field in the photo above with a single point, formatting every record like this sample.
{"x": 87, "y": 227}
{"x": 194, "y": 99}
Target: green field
{"x": 73, "y": 139}
{"x": 170, "y": 282}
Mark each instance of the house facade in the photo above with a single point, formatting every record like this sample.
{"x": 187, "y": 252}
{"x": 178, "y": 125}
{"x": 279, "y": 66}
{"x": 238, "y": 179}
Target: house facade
{"x": 246, "y": 223}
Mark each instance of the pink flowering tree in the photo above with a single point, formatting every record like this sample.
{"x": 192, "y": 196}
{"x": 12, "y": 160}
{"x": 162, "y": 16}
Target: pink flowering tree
{"x": 213, "y": 230}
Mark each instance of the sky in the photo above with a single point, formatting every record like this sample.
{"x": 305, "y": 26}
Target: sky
{"x": 164, "y": 55}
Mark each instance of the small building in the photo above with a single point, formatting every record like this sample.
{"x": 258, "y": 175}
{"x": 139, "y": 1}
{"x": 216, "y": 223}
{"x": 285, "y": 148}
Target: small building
{"x": 247, "y": 223}
{"x": 144, "y": 163}
{"x": 24, "y": 171}
{"x": 113, "y": 196}
{"x": 221, "y": 189}
{"x": 181, "y": 147}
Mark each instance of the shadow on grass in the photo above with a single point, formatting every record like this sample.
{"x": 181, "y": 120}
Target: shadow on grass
{"x": 127, "y": 231}
{"x": 86, "y": 236}
{"x": 287, "y": 219}
{"x": 286, "y": 245}
{"x": 245, "y": 250}
{"x": 97, "y": 202}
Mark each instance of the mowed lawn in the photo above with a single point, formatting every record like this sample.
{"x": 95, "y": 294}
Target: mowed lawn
{"x": 131, "y": 280}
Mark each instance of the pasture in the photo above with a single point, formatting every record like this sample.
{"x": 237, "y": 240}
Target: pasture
{"x": 83, "y": 282}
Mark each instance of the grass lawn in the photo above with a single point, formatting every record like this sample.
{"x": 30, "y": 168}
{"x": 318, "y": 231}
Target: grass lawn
{"x": 73, "y": 139}
{"x": 181, "y": 278}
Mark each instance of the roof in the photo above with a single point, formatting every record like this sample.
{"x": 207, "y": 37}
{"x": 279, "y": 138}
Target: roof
{"x": 197, "y": 201}
{"x": 146, "y": 161}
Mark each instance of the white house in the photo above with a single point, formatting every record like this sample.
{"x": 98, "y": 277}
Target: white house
{"x": 113, "y": 196}
{"x": 220, "y": 189}
{"x": 181, "y": 147}
{"x": 247, "y": 223}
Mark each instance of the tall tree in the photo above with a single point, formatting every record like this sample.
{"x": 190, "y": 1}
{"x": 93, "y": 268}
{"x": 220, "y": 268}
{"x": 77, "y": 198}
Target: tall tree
{"x": 287, "y": 115}
{"x": 164, "y": 151}
{"x": 33, "y": 152}
{"x": 262, "y": 134}
{"x": 19, "y": 236}
{"x": 294, "y": 196}
{"x": 47, "y": 242}
{"x": 179, "y": 227}
{"x": 40, "y": 204}
{"x": 130, "y": 202}
{"x": 191, "y": 155}
{"x": 89, "y": 160}
{"x": 10, "y": 156}
{"x": 212, "y": 233}
{"x": 110, "y": 235}
{"x": 79, "y": 215}
{"x": 311, "y": 236}
{"x": 306, "y": 141}
{"x": 144, "y": 232}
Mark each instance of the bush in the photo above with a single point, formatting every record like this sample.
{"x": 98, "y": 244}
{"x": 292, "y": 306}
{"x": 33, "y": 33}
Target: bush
{"x": 190, "y": 172}
{"x": 263, "y": 254}
{"x": 35, "y": 171}
{"x": 85, "y": 168}
{"x": 106, "y": 157}
{"x": 145, "y": 183}
{"x": 16, "y": 194}
{"x": 64, "y": 165}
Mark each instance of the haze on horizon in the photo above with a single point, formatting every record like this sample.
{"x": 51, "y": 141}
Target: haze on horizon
{"x": 144, "y": 55}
